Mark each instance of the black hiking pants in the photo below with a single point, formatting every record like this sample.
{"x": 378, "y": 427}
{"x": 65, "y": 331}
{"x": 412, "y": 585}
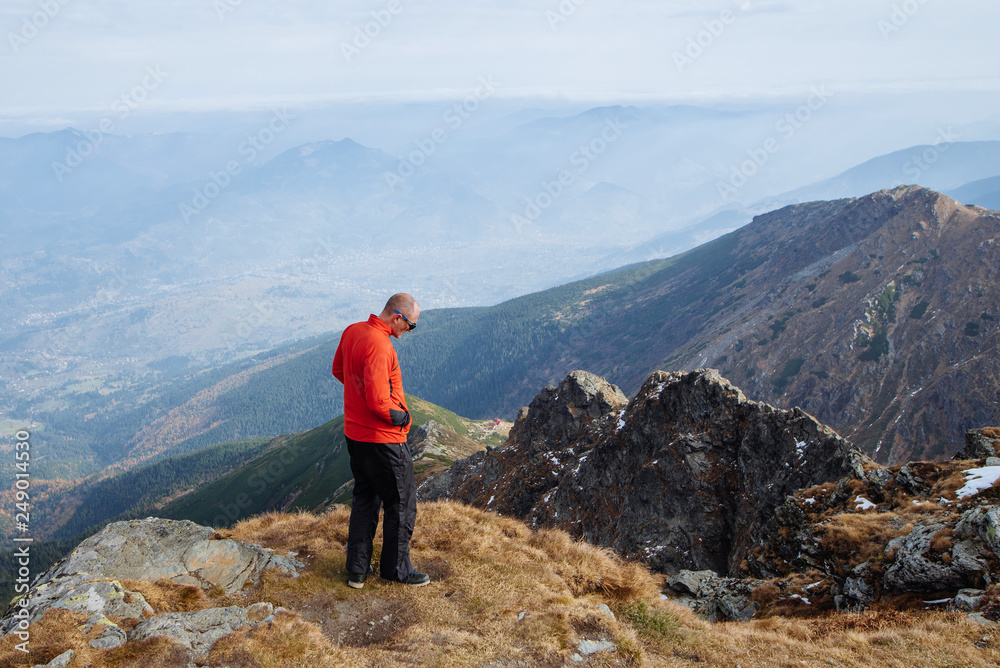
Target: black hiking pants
{"x": 383, "y": 477}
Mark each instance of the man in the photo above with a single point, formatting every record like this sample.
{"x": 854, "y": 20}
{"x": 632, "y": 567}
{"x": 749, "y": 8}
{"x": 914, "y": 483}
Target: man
{"x": 376, "y": 422}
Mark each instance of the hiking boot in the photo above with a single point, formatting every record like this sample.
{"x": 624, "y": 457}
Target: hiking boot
{"x": 356, "y": 580}
{"x": 416, "y": 579}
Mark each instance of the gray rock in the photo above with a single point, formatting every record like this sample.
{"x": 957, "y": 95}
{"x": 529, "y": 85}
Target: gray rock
{"x": 968, "y": 600}
{"x": 918, "y": 568}
{"x": 993, "y": 461}
{"x": 982, "y": 522}
{"x": 180, "y": 551}
{"x": 61, "y": 661}
{"x": 607, "y": 611}
{"x": 196, "y": 631}
{"x": 980, "y": 443}
{"x": 89, "y": 598}
{"x": 858, "y": 588}
{"x": 690, "y": 582}
{"x": 981, "y": 619}
{"x": 588, "y": 647}
{"x": 686, "y": 476}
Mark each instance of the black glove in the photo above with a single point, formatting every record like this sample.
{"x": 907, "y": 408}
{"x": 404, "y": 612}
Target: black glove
{"x": 399, "y": 418}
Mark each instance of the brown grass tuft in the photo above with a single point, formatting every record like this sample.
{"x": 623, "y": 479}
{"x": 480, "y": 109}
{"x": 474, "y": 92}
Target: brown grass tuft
{"x": 166, "y": 596}
{"x": 854, "y": 538}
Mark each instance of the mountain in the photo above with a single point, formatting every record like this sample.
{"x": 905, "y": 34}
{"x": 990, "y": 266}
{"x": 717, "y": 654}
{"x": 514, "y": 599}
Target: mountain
{"x": 877, "y": 315}
{"x": 984, "y": 193}
{"x": 943, "y": 166}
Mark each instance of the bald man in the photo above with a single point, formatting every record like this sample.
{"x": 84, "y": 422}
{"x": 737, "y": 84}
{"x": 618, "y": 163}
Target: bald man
{"x": 376, "y": 423}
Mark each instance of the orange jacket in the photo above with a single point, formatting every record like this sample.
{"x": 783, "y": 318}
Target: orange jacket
{"x": 366, "y": 364}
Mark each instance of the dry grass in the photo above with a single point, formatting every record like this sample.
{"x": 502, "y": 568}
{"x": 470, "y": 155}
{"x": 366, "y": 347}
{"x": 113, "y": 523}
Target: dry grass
{"x": 854, "y": 538}
{"x": 504, "y": 593}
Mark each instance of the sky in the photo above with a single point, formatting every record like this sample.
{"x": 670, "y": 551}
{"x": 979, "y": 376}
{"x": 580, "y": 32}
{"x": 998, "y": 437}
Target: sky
{"x": 62, "y": 59}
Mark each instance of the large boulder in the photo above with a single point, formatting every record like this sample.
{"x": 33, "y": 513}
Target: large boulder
{"x": 980, "y": 444}
{"x": 88, "y": 579}
{"x": 684, "y": 476}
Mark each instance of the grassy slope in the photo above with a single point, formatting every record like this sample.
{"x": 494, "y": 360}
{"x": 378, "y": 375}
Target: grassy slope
{"x": 299, "y": 471}
{"x": 504, "y": 594}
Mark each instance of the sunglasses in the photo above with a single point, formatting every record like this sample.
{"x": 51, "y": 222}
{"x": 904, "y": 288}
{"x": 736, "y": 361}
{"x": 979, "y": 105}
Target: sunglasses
{"x": 411, "y": 325}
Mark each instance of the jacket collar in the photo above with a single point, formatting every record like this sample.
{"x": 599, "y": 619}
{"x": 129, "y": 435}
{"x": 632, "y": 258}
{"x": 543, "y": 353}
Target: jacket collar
{"x": 379, "y": 324}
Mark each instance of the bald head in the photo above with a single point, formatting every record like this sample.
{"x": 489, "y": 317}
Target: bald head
{"x": 407, "y": 316}
{"x": 403, "y": 303}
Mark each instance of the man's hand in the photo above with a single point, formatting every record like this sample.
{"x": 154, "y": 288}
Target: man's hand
{"x": 399, "y": 418}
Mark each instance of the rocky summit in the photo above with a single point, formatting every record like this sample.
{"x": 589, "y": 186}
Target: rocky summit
{"x": 749, "y": 509}
{"x": 684, "y": 476}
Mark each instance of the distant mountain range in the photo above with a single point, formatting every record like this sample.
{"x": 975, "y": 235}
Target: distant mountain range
{"x": 878, "y": 315}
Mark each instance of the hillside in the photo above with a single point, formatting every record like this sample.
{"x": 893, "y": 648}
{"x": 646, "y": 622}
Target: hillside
{"x": 227, "y": 482}
{"x": 878, "y": 315}
{"x": 307, "y": 471}
{"x": 502, "y": 594}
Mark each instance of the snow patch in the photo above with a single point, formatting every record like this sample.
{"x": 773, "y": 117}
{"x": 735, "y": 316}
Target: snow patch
{"x": 810, "y": 500}
{"x": 800, "y": 449}
{"x": 863, "y": 504}
{"x": 978, "y": 479}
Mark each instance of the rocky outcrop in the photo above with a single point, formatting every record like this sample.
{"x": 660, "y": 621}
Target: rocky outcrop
{"x": 88, "y": 580}
{"x": 684, "y": 476}
{"x": 980, "y": 444}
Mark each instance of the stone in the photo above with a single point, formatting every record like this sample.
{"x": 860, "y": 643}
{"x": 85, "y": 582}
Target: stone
{"x": 858, "y": 588}
{"x": 196, "y": 631}
{"x": 982, "y": 522}
{"x": 685, "y": 476}
{"x": 980, "y": 444}
{"x": 61, "y": 661}
{"x": 980, "y": 618}
{"x": 606, "y": 611}
{"x": 993, "y": 461}
{"x": 588, "y": 647}
{"x": 260, "y": 611}
{"x": 968, "y": 600}
{"x": 690, "y": 581}
{"x": 180, "y": 551}
{"x": 919, "y": 568}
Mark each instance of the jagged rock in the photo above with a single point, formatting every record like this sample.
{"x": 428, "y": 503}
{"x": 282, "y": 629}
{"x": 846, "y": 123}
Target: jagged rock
{"x": 111, "y": 634}
{"x": 858, "y": 587}
{"x": 685, "y": 476}
{"x": 61, "y": 661}
{"x": 716, "y": 598}
{"x": 984, "y": 523}
{"x": 968, "y": 600}
{"x": 919, "y": 567}
{"x": 196, "y": 631}
{"x": 690, "y": 582}
{"x": 74, "y": 593}
{"x": 180, "y": 551}
{"x": 551, "y": 434}
{"x": 980, "y": 443}
{"x": 911, "y": 482}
